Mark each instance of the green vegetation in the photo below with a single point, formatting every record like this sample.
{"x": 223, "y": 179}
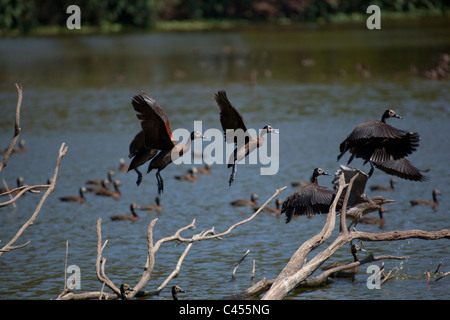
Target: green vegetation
{"x": 49, "y": 16}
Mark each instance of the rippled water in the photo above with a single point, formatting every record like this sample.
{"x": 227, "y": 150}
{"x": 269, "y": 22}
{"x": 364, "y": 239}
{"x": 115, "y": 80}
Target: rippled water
{"x": 302, "y": 81}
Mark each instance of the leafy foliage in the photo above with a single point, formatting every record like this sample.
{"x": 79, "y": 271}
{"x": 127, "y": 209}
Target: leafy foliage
{"x": 24, "y": 15}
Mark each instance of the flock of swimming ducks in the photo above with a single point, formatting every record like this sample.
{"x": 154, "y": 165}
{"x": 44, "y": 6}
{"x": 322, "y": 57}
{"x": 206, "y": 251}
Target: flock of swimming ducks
{"x": 100, "y": 187}
{"x": 375, "y": 142}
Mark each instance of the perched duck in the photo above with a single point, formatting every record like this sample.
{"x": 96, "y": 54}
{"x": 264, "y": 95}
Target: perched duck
{"x": 175, "y": 291}
{"x": 245, "y": 202}
{"x": 309, "y": 200}
{"x": 133, "y": 216}
{"x": 231, "y": 119}
{"x": 81, "y": 198}
{"x": 385, "y": 188}
{"x": 384, "y": 147}
{"x": 433, "y": 203}
{"x": 125, "y": 288}
{"x": 152, "y": 207}
{"x": 358, "y": 203}
{"x": 347, "y": 273}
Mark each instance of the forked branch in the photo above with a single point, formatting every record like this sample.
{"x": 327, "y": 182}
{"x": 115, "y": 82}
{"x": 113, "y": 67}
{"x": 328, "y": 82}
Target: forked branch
{"x": 16, "y": 129}
{"x": 138, "y": 290}
{"x": 296, "y": 271}
{"x": 10, "y": 245}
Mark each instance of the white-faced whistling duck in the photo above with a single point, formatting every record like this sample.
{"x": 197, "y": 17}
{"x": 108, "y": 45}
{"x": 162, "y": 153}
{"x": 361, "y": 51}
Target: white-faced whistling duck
{"x": 347, "y": 273}
{"x": 81, "y": 198}
{"x": 116, "y": 194}
{"x": 123, "y": 166}
{"x": 20, "y": 149}
{"x": 385, "y": 188}
{"x": 384, "y": 147}
{"x": 358, "y": 203}
{"x": 204, "y": 170}
{"x": 175, "y": 291}
{"x": 231, "y": 119}
{"x": 19, "y": 183}
{"x": 308, "y": 200}
{"x": 246, "y": 202}
{"x": 158, "y": 135}
{"x": 190, "y": 176}
{"x": 98, "y": 182}
{"x": 152, "y": 207}
{"x": 95, "y": 187}
{"x": 133, "y": 216}
{"x": 125, "y": 288}
{"x": 375, "y": 220}
{"x": 433, "y": 203}
{"x": 140, "y": 154}
{"x": 276, "y": 210}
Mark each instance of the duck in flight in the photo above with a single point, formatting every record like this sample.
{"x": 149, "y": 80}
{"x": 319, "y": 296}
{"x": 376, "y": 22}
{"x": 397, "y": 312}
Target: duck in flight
{"x": 384, "y": 147}
{"x": 236, "y": 132}
{"x": 154, "y": 142}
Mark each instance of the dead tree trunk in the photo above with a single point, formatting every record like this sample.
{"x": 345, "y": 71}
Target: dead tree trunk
{"x": 297, "y": 271}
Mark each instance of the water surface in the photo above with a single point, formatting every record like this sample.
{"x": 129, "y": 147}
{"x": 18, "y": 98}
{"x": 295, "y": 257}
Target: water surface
{"x": 307, "y": 82}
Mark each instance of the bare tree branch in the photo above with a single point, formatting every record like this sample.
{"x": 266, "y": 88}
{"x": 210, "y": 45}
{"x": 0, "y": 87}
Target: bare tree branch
{"x": 149, "y": 265}
{"x": 20, "y": 191}
{"x": 318, "y": 280}
{"x": 101, "y": 262}
{"x": 442, "y": 276}
{"x": 296, "y": 272}
{"x": 300, "y": 255}
{"x": 7, "y": 190}
{"x": 10, "y": 245}
{"x": 16, "y": 129}
{"x": 237, "y": 264}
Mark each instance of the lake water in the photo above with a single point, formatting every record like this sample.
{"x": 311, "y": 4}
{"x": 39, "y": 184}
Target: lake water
{"x": 305, "y": 81}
